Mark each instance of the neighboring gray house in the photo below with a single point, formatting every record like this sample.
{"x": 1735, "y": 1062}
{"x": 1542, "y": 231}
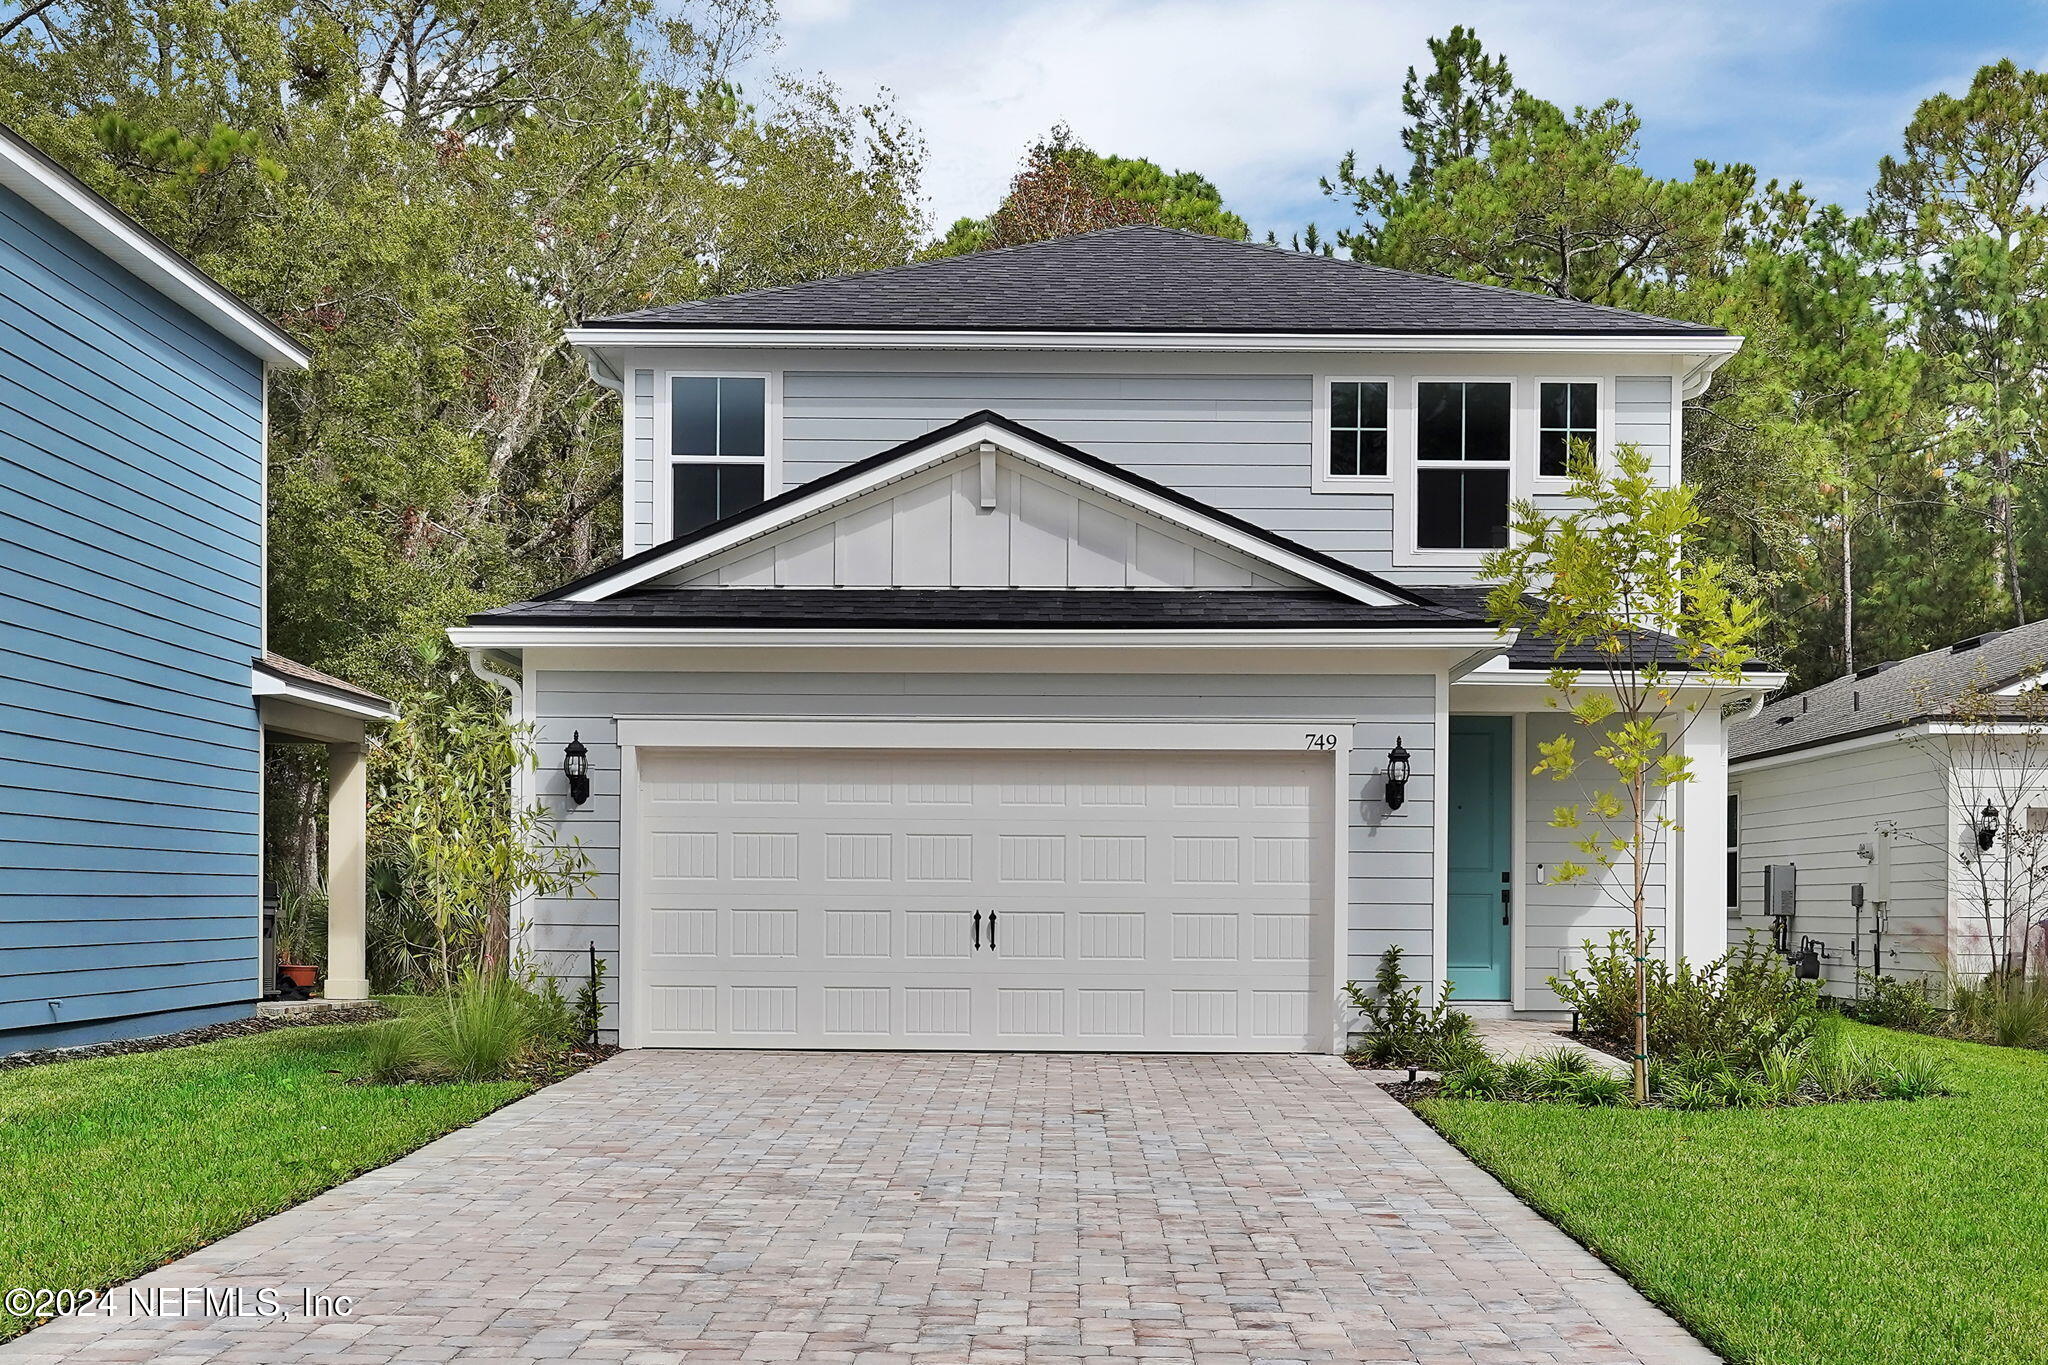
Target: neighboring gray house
{"x": 1870, "y": 782}
{"x": 136, "y": 691}
{"x": 1014, "y": 651}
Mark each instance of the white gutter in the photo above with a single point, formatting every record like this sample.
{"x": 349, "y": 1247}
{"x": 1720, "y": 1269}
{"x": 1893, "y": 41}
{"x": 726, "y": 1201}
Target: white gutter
{"x": 474, "y": 638}
{"x": 511, "y": 687}
{"x": 1715, "y": 348}
{"x": 1701, "y": 375}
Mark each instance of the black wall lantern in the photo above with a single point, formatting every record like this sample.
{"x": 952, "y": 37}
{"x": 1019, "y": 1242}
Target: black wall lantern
{"x": 1988, "y": 830}
{"x": 576, "y": 767}
{"x": 1397, "y": 775}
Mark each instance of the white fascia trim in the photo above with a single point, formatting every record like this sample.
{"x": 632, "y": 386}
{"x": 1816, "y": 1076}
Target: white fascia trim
{"x": 62, "y": 197}
{"x": 266, "y": 684}
{"x": 1050, "y": 460}
{"x": 855, "y": 338}
{"x": 1497, "y": 672}
{"x": 684, "y": 732}
{"x": 1109, "y": 641}
{"x": 1897, "y": 734}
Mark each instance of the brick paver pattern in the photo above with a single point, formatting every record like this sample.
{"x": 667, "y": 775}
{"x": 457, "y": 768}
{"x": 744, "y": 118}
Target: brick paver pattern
{"x": 688, "y": 1206}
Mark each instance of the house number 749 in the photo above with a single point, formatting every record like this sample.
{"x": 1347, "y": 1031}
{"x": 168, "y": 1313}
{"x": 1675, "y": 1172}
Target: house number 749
{"x": 1320, "y": 741}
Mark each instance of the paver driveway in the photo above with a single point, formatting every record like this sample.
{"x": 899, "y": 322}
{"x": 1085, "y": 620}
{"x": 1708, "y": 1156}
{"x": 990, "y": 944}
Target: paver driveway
{"x": 869, "y": 1206}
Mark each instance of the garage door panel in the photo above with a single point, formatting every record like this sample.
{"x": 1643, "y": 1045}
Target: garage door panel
{"x": 1125, "y": 901}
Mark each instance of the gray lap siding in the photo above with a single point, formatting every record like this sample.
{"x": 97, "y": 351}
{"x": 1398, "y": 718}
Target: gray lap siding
{"x": 1241, "y": 442}
{"x": 1391, "y": 872}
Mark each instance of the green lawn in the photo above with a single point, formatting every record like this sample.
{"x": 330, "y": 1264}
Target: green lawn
{"x": 1845, "y": 1234}
{"x": 112, "y": 1166}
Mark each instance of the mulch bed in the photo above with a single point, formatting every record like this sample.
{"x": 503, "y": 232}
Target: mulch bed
{"x": 365, "y": 1013}
{"x": 548, "y": 1070}
{"x": 1409, "y": 1094}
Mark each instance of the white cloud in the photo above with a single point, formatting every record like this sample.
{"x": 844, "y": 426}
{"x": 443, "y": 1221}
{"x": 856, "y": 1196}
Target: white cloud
{"x": 1264, "y": 96}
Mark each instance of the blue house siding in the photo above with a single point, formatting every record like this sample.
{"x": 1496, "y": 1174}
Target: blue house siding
{"x": 131, "y": 551}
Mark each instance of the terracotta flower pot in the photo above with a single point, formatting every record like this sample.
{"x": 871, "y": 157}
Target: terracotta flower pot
{"x": 300, "y": 974}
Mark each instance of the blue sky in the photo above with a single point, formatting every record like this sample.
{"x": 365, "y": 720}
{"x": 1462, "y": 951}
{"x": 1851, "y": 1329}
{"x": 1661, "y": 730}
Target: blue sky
{"x": 1262, "y": 96}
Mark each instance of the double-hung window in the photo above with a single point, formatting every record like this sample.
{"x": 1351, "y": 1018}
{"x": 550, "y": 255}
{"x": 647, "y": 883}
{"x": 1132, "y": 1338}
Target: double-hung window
{"x": 1567, "y": 420}
{"x": 1463, "y": 449}
{"x": 718, "y": 447}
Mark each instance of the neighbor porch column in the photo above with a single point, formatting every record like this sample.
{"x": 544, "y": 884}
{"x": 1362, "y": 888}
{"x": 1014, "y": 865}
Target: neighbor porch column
{"x": 348, "y": 870}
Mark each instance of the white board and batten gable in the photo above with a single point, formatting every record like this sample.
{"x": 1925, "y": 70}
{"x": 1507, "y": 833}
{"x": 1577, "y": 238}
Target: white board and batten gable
{"x": 1033, "y": 529}
{"x": 985, "y": 507}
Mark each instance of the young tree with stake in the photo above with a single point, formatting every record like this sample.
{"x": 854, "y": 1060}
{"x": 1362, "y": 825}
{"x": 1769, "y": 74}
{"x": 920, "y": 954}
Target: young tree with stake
{"x": 1617, "y": 579}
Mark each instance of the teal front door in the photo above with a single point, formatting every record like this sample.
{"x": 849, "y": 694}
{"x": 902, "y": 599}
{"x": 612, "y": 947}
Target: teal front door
{"x": 1481, "y": 855}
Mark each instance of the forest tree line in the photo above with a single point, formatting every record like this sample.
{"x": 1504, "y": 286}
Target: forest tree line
{"x": 426, "y": 195}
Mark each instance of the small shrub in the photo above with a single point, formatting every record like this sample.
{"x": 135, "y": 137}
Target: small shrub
{"x": 551, "y": 1023}
{"x": 2019, "y": 1015}
{"x": 1679, "y": 1093}
{"x": 391, "y": 1050}
{"x": 1521, "y": 1079}
{"x": 2009, "y": 1011}
{"x": 1892, "y": 1003}
{"x": 1451, "y": 1054}
{"x": 1914, "y": 1076}
{"x": 1784, "y": 1074}
{"x": 1549, "y": 1080}
{"x": 1843, "y": 1071}
{"x": 479, "y": 1032}
{"x": 1731, "y": 1011}
{"x": 1737, "y": 1091}
{"x": 1599, "y": 1089}
{"x": 590, "y": 1001}
{"x": 1479, "y": 1082}
{"x": 1568, "y": 1061}
{"x": 1401, "y": 1031}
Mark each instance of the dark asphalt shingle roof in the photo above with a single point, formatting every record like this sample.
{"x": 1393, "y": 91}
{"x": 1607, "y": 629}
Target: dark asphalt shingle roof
{"x": 1155, "y": 279}
{"x": 1891, "y": 696}
{"x": 981, "y": 609}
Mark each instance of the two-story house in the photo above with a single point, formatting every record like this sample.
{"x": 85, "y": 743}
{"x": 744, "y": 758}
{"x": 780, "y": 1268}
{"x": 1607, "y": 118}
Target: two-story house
{"x": 137, "y": 689}
{"x": 1077, "y": 646}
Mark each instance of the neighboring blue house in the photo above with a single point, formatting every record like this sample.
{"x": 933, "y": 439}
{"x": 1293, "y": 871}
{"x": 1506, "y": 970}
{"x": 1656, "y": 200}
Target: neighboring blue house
{"x": 135, "y": 688}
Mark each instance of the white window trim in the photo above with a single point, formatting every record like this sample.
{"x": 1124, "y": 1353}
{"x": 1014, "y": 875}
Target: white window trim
{"x": 1407, "y": 462}
{"x": 1732, "y": 843}
{"x": 664, "y": 441}
{"x": 1321, "y": 480}
{"x": 1603, "y": 428}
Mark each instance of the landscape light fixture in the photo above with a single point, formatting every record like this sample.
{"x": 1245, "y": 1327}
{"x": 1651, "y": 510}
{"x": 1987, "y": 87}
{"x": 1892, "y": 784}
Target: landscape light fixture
{"x": 576, "y": 767}
{"x": 1397, "y": 775}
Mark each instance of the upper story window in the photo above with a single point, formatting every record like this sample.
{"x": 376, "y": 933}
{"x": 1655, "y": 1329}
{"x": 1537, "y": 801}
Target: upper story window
{"x": 1464, "y": 443}
{"x": 1358, "y": 428}
{"x": 1567, "y": 415}
{"x": 718, "y": 447}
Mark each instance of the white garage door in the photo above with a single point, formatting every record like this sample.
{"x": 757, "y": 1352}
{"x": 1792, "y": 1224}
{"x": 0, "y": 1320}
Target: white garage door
{"x": 1108, "y": 902}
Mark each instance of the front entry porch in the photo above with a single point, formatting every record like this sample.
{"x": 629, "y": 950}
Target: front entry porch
{"x": 302, "y": 705}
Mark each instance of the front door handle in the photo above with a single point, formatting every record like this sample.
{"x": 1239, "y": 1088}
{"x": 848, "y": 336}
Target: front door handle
{"x": 991, "y": 930}
{"x": 977, "y": 929}
{"x": 1507, "y": 905}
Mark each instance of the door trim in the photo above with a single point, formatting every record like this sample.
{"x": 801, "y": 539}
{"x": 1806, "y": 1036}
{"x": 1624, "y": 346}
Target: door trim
{"x": 1515, "y": 795}
{"x": 684, "y": 733}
